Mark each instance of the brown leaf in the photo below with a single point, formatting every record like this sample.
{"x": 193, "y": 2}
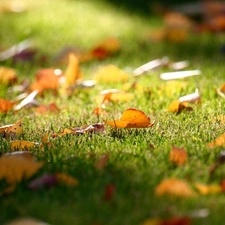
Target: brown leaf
{"x": 12, "y": 130}
{"x": 22, "y": 145}
{"x": 178, "y": 156}
{"x": 109, "y": 192}
{"x": 102, "y": 162}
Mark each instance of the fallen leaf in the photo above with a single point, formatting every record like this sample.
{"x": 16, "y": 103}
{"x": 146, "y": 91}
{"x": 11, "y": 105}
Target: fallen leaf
{"x": 177, "y": 107}
{"x": 170, "y": 221}
{"x": 220, "y": 141}
{"x": 26, "y": 221}
{"x": 14, "y": 168}
{"x": 111, "y": 74}
{"x": 219, "y": 161}
{"x": 106, "y": 48}
{"x": 174, "y": 187}
{"x": 109, "y": 192}
{"x": 205, "y": 189}
{"x": 23, "y": 154}
{"x": 179, "y": 74}
{"x": 66, "y": 179}
{"x": 131, "y": 118}
{"x": 7, "y": 75}
{"x": 52, "y": 107}
{"x": 97, "y": 127}
{"x": 178, "y": 156}
{"x": 44, "y": 181}
{"x": 22, "y": 145}
{"x": 6, "y": 105}
{"x": 102, "y": 161}
{"x": 12, "y": 130}
{"x": 72, "y": 73}
{"x": 222, "y": 184}
{"x": 47, "y": 79}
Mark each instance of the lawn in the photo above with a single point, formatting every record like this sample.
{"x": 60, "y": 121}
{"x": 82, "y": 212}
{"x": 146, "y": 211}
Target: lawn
{"x": 124, "y": 190}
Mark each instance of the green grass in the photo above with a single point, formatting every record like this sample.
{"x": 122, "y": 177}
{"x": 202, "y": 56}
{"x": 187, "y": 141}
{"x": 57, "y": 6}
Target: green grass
{"x": 134, "y": 167}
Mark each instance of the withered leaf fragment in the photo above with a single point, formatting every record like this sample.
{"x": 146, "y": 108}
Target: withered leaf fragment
{"x": 11, "y": 130}
{"x": 6, "y": 105}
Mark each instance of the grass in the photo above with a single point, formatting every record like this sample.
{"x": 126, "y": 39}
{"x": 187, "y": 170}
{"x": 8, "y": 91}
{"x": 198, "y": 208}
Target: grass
{"x": 134, "y": 168}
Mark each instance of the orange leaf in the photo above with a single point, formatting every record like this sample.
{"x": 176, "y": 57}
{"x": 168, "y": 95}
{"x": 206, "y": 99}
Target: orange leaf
{"x": 132, "y": 118}
{"x": 5, "y": 105}
{"x": 178, "y": 156}
{"x": 47, "y": 79}
{"x": 174, "y": 187}
{"x": 111, "y": 74}
{"x": 52, "y": 107}
{"x": 220, "y": 141}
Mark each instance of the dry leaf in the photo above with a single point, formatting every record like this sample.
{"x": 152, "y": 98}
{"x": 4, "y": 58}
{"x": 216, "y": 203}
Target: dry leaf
{"x": 152, "y": 221}
{"x": 6, "y": 105}
{"x": 44, "y": 181}
{"x": 101, "y": 163}
{"x": 170, "y": 221}
{"x": 47, "y": 79}
{"x": 178, "y": 156}
{"x": 220, "y": 141}
{"x": 131, "y": 118}
{"x": 208, "y": 189}
{"x": 111, "y": 74}
{"x": 22, "y": 145}
{"x": 7, "y": 75}
{"x": 23, "y": 154}
{"x": 174, "y": 187}
{"x": 14, "y": 168}
{"x": 97, "y": 127}
{"x": 72, "y": 73}
{"x": 12, "y": 130}
{"x": 177, "y": 107}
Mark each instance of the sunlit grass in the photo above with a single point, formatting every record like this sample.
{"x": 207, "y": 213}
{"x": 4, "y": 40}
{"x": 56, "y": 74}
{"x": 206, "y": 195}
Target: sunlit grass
{"x": 134, "y": 167}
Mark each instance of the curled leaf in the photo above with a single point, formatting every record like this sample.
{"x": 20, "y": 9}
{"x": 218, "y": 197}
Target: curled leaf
{"x": 177, "y": 107}
{"x": 131, "y": 118}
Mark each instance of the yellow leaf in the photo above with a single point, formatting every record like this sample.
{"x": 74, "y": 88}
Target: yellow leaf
{"x": 111, "y": 74}
{"x": 131, "y": 118}
{"x": 208, "y": 189}
{"x": 72, "y": 73}
{"x": 22, "y": 145}
{"x": 14, "y": 168}
{"x": 174, "y": 187}
{"x": 7, "y": 75}
{"x": 66, "y": 179}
